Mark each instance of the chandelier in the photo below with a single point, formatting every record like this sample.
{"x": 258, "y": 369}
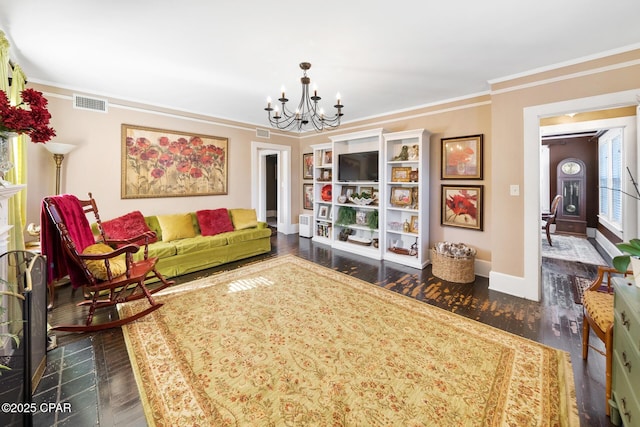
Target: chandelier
{"x": 307, "y": 113}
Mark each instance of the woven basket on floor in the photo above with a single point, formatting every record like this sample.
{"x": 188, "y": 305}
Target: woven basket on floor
{"x": 451, "y": 269}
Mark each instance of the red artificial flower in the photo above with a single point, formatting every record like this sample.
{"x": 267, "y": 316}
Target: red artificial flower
{"x": 32, "y": 121}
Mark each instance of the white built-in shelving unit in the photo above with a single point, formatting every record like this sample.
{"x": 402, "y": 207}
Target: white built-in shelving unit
{"x": 406, "y": 207}
{"x": 398, "y": 183}
{"x": 363, "y": 238}
{"x": 322, "y": 199}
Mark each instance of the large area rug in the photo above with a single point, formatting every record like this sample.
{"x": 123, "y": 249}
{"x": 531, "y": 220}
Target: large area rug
{"x": 286, "y": 342}
{"x": 571, "y": 248}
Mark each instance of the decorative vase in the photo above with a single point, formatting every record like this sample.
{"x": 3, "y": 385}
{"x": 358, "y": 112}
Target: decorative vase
{"x": 635, "y": 266}
{"x": 5, "y": 154}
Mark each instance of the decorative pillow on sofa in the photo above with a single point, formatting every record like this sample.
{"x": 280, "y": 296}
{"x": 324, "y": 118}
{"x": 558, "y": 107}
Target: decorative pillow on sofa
{"x": 243, "y": 218}
{"x": 127, "y": 226}
{"x": 118, "y": 265}
{"x": 214, "y": 221}
{"x": 176, "y": 226}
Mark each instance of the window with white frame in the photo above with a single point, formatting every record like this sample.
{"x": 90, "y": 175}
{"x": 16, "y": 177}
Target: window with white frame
{"x": 610, "y": 175}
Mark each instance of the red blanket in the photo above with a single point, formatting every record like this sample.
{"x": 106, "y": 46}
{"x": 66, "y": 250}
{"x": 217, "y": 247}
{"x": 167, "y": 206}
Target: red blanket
{"x": 59, "y": 264}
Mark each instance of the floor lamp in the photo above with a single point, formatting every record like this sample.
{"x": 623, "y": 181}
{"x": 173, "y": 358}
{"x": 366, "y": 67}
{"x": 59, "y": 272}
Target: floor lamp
{"x": 58, "y": 149}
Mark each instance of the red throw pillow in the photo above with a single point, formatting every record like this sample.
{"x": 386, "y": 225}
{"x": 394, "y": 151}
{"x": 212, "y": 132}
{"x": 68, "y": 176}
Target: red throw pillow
{"x": 126, "y": 227}
{"x": 214, "y": 221}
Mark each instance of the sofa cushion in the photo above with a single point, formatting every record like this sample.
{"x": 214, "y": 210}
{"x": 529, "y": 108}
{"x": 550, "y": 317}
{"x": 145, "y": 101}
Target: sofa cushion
{"x": 176, "y": 226}
{"x": 126, "y": 227}
{"x": 98, "y": 268}
{"x": 199, "y": 243}
{"x": 246, "y": 235}
{"x": 214, "y": 221}
{"x": 158, "y": 250}
{"x": 243, "y": 218}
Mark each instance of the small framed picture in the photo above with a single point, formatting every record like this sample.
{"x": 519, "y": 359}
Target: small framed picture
{"x": 368, "y": 190}
{"x": 349, "y": 190}
{"x": 462, "y": 157}
{"x": 307, "y": 166}
{"x": 400, "y": 196}
{"x": 307, "y": 196}
{"x": 413, "y": 224}
{"x": 327, "y": 157}
{"x": 326, "y": 175}
{"x": 323, "y": 212}
{"x": 400, "y": 174}
{"x": 462, "y": 206}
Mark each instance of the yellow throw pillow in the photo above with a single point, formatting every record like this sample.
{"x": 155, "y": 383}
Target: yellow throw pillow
{"x": 118, "y": 264}
{"x": 177, "y": 226}
{"x": 243, "y": 218}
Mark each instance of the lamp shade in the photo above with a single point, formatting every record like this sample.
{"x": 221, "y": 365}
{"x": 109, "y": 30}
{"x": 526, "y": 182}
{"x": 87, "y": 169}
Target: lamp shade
{"x": 59, "y": 147}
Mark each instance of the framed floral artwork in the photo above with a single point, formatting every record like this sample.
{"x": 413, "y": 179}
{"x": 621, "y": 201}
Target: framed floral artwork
{"x": 165, "y": 163}
{"x": 307, "y": 166}
{"x": 462, "y": 206}
{"x": 462, "y": 157}
{"x": 307, "y": 196}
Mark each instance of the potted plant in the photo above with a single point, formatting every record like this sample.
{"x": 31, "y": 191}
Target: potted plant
{"x": 631, "y": 256}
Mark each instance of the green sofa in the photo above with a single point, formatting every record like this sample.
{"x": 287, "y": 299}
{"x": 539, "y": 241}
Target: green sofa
{"x": 189, "y": 254}
{"x": 182, "y": 256}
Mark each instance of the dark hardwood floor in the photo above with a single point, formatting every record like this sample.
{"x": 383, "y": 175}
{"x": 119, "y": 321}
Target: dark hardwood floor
{"x": 555, "y": 321}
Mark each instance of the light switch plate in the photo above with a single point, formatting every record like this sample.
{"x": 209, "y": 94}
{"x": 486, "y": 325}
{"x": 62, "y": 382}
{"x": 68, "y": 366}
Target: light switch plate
{"x": 514, "y": 190}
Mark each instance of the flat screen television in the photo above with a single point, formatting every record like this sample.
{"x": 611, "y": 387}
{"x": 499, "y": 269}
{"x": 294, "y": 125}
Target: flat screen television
{"x": 358, "y": 166}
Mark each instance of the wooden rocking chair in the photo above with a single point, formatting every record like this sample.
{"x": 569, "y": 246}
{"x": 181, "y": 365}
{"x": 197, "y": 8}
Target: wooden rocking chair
{"x": 106, "y": 278}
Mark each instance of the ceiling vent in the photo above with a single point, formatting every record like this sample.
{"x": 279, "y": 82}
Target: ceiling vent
{"x": 263, "y": 133}
{"x": 93, "y": 104}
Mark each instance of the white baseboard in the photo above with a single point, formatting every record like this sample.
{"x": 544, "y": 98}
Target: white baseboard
{"x": 482, "y": 268}
{"x": 511, "y": 285}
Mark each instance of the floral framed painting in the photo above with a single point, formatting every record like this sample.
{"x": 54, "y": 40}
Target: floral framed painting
{"x": 307, "y": 166}
{"x": 165, "y": 163}
{"x": 462, "y": 157}
{"x": 307, "y": 196}
{"x": 462, "y": 206}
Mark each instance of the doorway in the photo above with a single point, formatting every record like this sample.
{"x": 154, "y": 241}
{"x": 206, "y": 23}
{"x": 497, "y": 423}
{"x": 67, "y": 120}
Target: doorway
{"x": 271, "y": 193}
{"x": 532, "y": 243}
{"x": 271, "y": 184}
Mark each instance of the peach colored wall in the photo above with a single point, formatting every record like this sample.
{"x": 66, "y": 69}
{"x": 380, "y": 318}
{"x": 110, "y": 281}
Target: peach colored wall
{"x": 95, "y": 165}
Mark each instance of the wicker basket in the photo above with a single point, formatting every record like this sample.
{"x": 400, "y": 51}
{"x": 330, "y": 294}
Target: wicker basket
{"x": 451, "y": 269}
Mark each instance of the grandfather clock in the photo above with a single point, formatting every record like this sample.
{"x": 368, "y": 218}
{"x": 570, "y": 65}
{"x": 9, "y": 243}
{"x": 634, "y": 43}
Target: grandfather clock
{"x": 571, "y": 184}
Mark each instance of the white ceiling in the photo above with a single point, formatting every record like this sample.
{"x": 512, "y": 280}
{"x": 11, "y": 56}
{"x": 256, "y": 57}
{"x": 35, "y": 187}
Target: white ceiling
{"x": 223, "y": 59}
